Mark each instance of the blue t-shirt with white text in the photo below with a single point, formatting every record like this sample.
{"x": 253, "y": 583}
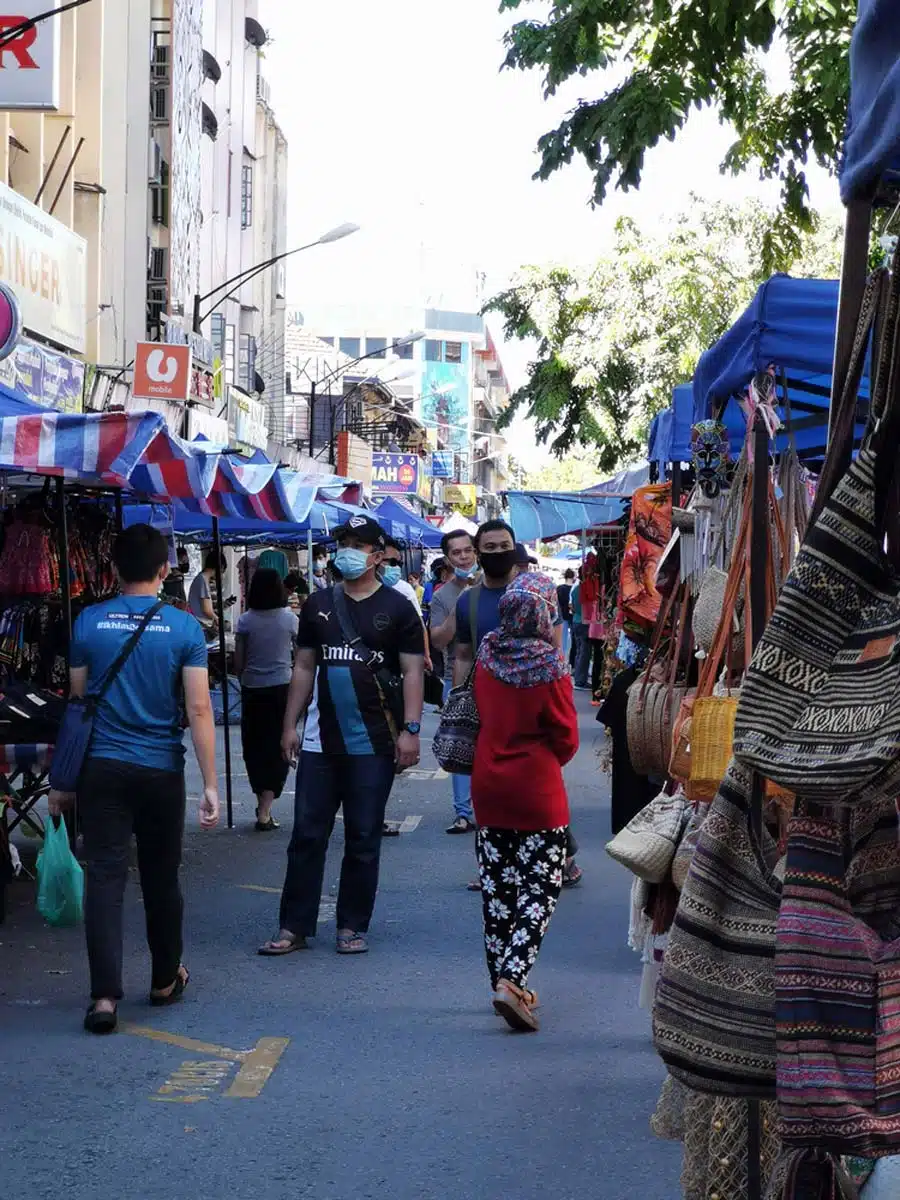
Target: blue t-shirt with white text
{"x": 138, "y": 720}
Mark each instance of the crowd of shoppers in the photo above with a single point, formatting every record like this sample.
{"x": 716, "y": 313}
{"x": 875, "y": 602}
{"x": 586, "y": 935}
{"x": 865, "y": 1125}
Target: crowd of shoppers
{"x": 332, "y": 682}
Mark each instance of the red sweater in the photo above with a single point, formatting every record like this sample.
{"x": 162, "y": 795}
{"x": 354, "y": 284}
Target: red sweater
{"x": 527, "y": 735}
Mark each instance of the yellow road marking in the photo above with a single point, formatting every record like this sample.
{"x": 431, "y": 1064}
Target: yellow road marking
{"x": 257, "y": 1068}
{"x": 194, "y": 1081}
{"x": 409, "y": 824}
{"x": 185, "y": 1043}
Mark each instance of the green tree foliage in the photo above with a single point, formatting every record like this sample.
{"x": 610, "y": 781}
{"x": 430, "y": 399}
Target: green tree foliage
{"x": 574, "y": 473}
{"x": 615, "y": 339}
{"x": 669, "y": 56}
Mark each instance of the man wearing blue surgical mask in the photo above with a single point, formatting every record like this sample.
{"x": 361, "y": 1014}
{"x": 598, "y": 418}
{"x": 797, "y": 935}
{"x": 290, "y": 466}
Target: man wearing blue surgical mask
{"x": 354, "y": 643}
{"x": 459, "y": 550}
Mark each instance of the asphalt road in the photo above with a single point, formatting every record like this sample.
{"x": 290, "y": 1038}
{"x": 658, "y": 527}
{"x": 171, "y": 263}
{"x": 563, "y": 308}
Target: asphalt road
{"x": 385, "y": 1075}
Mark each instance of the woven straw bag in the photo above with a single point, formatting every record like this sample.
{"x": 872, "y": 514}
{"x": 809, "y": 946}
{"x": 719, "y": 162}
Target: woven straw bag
{"x": 647, "y": 844}
{"x": 667, "y": 1122}
{"x": 680, "y": 762}
{"x": 712, "y": 733}
{"x": 708, "y": 609}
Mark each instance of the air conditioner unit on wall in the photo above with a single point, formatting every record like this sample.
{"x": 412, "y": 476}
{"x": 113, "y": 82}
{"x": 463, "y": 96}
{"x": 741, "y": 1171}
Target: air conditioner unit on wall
{"x": 158, "y": 269}
{"x": 159, "y": 103}
{"x": 155, "y": 162}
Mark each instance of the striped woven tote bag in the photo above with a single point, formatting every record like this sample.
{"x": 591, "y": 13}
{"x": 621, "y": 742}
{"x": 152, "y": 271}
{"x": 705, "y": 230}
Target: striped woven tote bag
{"x": 837, "y": 983}
{"x": 714, "y": 1014}
{"x": 819, "y": 712}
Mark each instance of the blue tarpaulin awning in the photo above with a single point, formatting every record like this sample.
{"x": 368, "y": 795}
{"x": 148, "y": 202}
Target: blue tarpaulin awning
{"x": 872, "y": 147}
{"x": 401, "y": 522}
{"x": 541, "y": 516}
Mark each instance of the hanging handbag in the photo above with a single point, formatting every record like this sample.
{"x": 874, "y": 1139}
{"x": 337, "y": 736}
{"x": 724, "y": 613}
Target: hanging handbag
{"x": 647, "y": 844}
{"x": 681, "y": 863}
{"x": 77, "y": 725}
{"x": 457, "y": 733}
{"x": 714, "y": 1016}
{"x": 820, "y": 707}
{"x": 653, "y": 705}
{"x": 390, "y": 686}
{"x": 837, "y": 983}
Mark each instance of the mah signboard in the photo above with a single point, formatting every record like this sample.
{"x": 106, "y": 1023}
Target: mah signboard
{"x": 395, "y": 474}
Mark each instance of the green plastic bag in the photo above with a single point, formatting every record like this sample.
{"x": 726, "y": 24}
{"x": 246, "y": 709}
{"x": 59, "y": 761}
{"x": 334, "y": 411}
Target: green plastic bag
{"x": 60, "y": 898}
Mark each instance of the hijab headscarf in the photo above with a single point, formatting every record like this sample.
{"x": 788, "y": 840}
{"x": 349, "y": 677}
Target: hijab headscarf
{"x": 522, "y": 652}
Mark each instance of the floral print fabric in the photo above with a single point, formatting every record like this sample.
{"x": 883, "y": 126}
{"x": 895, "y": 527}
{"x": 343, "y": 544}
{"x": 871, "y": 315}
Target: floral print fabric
{"x": 649, "y": 530}
{"x": 521, "y": 879}
{"x": 522, "y": 652}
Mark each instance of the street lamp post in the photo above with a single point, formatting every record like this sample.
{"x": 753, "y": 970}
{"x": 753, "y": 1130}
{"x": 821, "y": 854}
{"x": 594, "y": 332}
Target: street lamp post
{"x": 238, "y": 281}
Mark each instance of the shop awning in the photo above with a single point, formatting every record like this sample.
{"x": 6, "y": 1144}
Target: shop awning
{"x": 323, "y": 518}
{"x": 546, "y": 515}
{"x": 790, "y": 325}
{"x": 872, "y": 147}
{"x": 401, "y": 522}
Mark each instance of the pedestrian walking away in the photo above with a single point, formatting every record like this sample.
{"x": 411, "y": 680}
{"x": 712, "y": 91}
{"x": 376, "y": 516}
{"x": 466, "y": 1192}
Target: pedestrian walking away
{"x": 263, "y": 660}
{"x": 580, "y": 635}
{"x": 529, "y": 731}
{"x": 564, "y": 598}
{"x": 459, "y": 550}
{"x": 132, "y": 782}
{"x": 359, "y": 645}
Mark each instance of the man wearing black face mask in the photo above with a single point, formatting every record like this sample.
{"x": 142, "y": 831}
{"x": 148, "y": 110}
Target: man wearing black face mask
{"x": 478, "y": 608}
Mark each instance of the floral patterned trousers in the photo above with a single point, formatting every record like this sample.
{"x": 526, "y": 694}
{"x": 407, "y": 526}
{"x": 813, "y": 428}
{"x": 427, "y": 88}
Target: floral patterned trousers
{"x": 521, "y": 878}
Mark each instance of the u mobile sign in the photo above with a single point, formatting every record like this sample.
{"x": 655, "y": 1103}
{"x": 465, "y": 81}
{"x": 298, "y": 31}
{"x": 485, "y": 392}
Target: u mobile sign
{"x": 162, "y": 371}
{"x": 29, "y": 63}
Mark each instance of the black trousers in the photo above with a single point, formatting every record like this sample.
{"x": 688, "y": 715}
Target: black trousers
{"x": 117, "y": 800}
{"x": 262, "y": 716}
{"x": 361, "y": 785}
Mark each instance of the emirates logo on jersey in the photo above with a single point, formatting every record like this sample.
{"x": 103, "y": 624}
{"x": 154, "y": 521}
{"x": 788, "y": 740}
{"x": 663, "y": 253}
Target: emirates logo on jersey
{"x": 343, "y": 654}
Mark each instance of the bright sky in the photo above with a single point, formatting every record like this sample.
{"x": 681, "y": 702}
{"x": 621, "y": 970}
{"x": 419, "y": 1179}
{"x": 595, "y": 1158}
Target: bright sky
{"x": 398, "y": 119}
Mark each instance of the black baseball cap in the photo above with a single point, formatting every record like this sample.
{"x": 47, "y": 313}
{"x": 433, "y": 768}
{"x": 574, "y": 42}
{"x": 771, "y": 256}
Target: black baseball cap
{"x": 366, "y": 529}
{"x": 523, "y": 558}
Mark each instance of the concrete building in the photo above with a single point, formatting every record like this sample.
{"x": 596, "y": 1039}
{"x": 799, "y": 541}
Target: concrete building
{"x": 451, "y": 379}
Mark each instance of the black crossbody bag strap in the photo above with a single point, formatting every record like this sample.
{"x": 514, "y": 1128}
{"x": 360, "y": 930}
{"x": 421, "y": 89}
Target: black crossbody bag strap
{"x": 124, "y": 655}
{"x": 387, "y": 683}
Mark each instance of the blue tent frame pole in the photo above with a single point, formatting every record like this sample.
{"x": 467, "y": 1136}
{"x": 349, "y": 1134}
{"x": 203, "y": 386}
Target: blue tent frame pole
{"x": 223, "y": 669}
{"x": 309, "y": 559}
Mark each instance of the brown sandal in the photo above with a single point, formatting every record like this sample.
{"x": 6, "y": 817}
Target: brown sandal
{"x": 516, "y": 1006}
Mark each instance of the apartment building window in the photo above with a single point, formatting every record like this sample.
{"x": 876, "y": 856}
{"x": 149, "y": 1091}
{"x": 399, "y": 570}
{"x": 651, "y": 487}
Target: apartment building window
{"x": 403, "y": 351}
{"x": 159, "y": 196}
{"x": 248, "y": 362}
{"x": 453, "y": 352}
{"x": 246, "y": 196}
{"x": 217, "y": 337}
{"x": 229, "y": 354}
{"x": 350, "y": 347}
{"x": 376, "y": 347}
{"x": 433, "y": 351}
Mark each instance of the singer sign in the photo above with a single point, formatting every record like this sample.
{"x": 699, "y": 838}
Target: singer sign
{"x": 29, "y": 61}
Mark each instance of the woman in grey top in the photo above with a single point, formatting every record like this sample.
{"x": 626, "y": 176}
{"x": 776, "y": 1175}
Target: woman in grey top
{"x": 264, "y": 661}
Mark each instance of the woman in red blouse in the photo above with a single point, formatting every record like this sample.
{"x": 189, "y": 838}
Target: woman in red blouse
{"x": 529, "y": 730}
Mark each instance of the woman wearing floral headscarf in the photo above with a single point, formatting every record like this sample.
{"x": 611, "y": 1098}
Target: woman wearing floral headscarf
{"x": 529, "y": 730}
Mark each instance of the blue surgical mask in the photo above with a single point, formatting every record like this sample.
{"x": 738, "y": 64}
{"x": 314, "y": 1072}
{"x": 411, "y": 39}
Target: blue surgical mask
{"x": 391, "y": 576}
{"x": 465, "y": 572}
{"x": 351, "y": 563}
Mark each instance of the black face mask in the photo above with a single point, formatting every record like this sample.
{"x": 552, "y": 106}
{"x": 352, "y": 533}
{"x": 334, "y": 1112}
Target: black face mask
{"x": 498, "y": 564}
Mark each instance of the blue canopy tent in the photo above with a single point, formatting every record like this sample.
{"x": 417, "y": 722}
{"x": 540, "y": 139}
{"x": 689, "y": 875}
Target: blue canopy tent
{"x": 790, "y": 325}
{"x": 401, "y": 522}
{"x": 541, "y": 516}
{"x": 323, "y": 518}
{"x": 872, "y": 145}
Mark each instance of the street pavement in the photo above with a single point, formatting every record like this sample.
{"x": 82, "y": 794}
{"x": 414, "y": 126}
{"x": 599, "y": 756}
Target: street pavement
{"x": 383, "y": 1075}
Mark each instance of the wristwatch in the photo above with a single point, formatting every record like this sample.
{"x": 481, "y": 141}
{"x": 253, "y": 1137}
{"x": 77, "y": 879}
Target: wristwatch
{"x": 412, "y": 727}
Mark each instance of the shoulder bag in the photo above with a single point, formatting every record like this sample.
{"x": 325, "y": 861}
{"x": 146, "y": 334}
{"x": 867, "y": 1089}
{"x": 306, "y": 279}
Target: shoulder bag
{"x": 77, "y": 726}
{"x": 457, "y": 734}
{"x": 820, "y": 707}
{"x": 647, "y": 844}
{"x": 390, "y": 686}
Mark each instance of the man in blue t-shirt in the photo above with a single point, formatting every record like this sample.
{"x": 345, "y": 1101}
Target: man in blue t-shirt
{"x": 133, "y": 778}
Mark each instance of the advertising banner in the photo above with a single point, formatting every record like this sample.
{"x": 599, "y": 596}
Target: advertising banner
{"x": 203, "y": 424}
{"x": 45, "y": 265}
{"x": 442, "y": 464}
{"x": 395, "y": 474}
{"x": 446, "y": 401}
{"x": 162, "y": 372}
{"x": 44, "y": 377}
{"x": 463, "y": 497}
{"x": 29, "y": 63}
{"x": 247, "y": 420}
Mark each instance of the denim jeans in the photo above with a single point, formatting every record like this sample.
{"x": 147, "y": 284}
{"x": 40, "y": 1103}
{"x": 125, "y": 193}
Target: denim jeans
{"x": 583, "y": 649}
{"x": 566, "y": 639}
{"x": 115, "y": 801}
{"x": 361, "y": 785}
{"x": 462, "y": 784}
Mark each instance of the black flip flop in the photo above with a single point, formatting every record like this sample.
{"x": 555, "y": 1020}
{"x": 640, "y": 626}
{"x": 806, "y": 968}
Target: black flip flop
{"x": 100, "y": 1022}
{"x": 181, "y": 982}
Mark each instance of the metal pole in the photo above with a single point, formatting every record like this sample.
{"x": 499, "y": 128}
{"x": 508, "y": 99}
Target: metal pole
{"x": 65, "y": 179}
{"x": 197, "y": 324}
{"x": 309, "y": 559}
{"x": 223, "y": 668}
{"x": 52, "y": 164}
{"x": 759, "y": 557}
{"x": 312, "y": 415}
{"x": 62, "y": 534}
